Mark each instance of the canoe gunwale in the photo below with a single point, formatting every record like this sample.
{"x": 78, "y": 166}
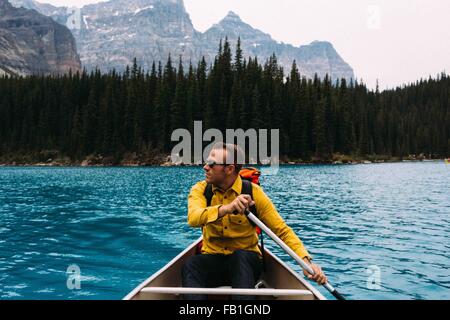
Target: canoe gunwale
{"x": 160, "y": 271}
{"x": 226, "y": 291}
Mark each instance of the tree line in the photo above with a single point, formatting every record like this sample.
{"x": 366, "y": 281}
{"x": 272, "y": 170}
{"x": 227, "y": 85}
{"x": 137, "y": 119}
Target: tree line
{"x": 136, "y": 111}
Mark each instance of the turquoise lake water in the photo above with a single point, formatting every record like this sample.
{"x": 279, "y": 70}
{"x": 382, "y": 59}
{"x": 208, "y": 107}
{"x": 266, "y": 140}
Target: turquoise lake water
{"x": 120, "y": 225}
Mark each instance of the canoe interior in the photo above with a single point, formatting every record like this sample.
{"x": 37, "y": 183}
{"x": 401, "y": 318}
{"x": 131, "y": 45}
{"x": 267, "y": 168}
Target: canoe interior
{"x": 277, "y": 276}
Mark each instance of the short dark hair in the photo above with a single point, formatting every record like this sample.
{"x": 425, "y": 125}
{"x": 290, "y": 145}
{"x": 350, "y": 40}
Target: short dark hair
{"x": 238, "y": 159}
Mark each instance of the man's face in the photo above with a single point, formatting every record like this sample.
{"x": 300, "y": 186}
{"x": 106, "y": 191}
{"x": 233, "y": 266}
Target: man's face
{"x": 216, "y": 172}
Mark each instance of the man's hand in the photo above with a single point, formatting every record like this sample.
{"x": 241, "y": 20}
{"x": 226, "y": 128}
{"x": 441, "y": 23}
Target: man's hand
{"x": 238, "y": 205}
{"x": 318, "y": 276}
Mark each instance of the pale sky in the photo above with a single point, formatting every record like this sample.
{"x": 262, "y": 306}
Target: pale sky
{"x": 394, "y": 41}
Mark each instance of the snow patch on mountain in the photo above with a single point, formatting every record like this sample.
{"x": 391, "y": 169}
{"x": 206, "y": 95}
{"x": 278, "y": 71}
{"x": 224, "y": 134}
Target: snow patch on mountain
{"x": 143, "y": 9}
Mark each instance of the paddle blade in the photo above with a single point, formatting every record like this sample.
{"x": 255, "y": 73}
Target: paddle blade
{"x": 337, "y": 295}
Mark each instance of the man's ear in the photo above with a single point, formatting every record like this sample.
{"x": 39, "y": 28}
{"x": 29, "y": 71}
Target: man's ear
{"x": 230, "y": 169}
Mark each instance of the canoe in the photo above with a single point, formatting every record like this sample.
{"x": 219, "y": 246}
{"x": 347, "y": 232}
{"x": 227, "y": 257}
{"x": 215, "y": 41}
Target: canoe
{"x": 279, "y": 282}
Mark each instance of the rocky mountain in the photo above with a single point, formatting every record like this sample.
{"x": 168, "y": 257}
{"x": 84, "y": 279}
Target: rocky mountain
{"x": 31, "y": 43}
{"x": 318, "y": 57}
{"x": 110, "y": 34}
{"x": 115, "y": 32}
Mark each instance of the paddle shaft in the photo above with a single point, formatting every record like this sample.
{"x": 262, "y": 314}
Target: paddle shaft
{"x": 291, "y": 252}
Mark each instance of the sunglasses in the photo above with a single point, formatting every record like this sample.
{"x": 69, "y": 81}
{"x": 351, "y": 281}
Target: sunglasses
{"x": 212, "y": 163}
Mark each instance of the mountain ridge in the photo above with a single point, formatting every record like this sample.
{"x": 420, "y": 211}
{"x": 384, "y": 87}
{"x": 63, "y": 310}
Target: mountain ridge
{"x": 112, "y": 33}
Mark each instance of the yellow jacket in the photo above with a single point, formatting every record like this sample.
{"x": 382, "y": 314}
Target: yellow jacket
{"x": 232, "y": 232}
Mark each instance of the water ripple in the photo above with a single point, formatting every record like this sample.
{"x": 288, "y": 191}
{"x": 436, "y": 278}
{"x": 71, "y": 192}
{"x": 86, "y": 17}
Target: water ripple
{"x": 119, "y": 225}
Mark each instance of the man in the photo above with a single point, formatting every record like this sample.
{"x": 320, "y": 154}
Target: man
{"x": 230, "y": 251}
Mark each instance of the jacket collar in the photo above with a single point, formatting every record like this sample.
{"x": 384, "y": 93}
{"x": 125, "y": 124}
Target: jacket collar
{"x": 236, "y": 187}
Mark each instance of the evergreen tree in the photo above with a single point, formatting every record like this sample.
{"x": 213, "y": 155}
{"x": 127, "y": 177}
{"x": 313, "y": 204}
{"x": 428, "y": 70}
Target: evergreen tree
{"x": 80, "y": 114}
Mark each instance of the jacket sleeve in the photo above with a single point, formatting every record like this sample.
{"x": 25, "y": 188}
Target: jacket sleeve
{"x": 268, "y": 214}
{"x": 198, "y": 213}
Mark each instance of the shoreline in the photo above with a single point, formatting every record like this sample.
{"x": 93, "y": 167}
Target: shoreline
{"x": 164, "y": 161}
